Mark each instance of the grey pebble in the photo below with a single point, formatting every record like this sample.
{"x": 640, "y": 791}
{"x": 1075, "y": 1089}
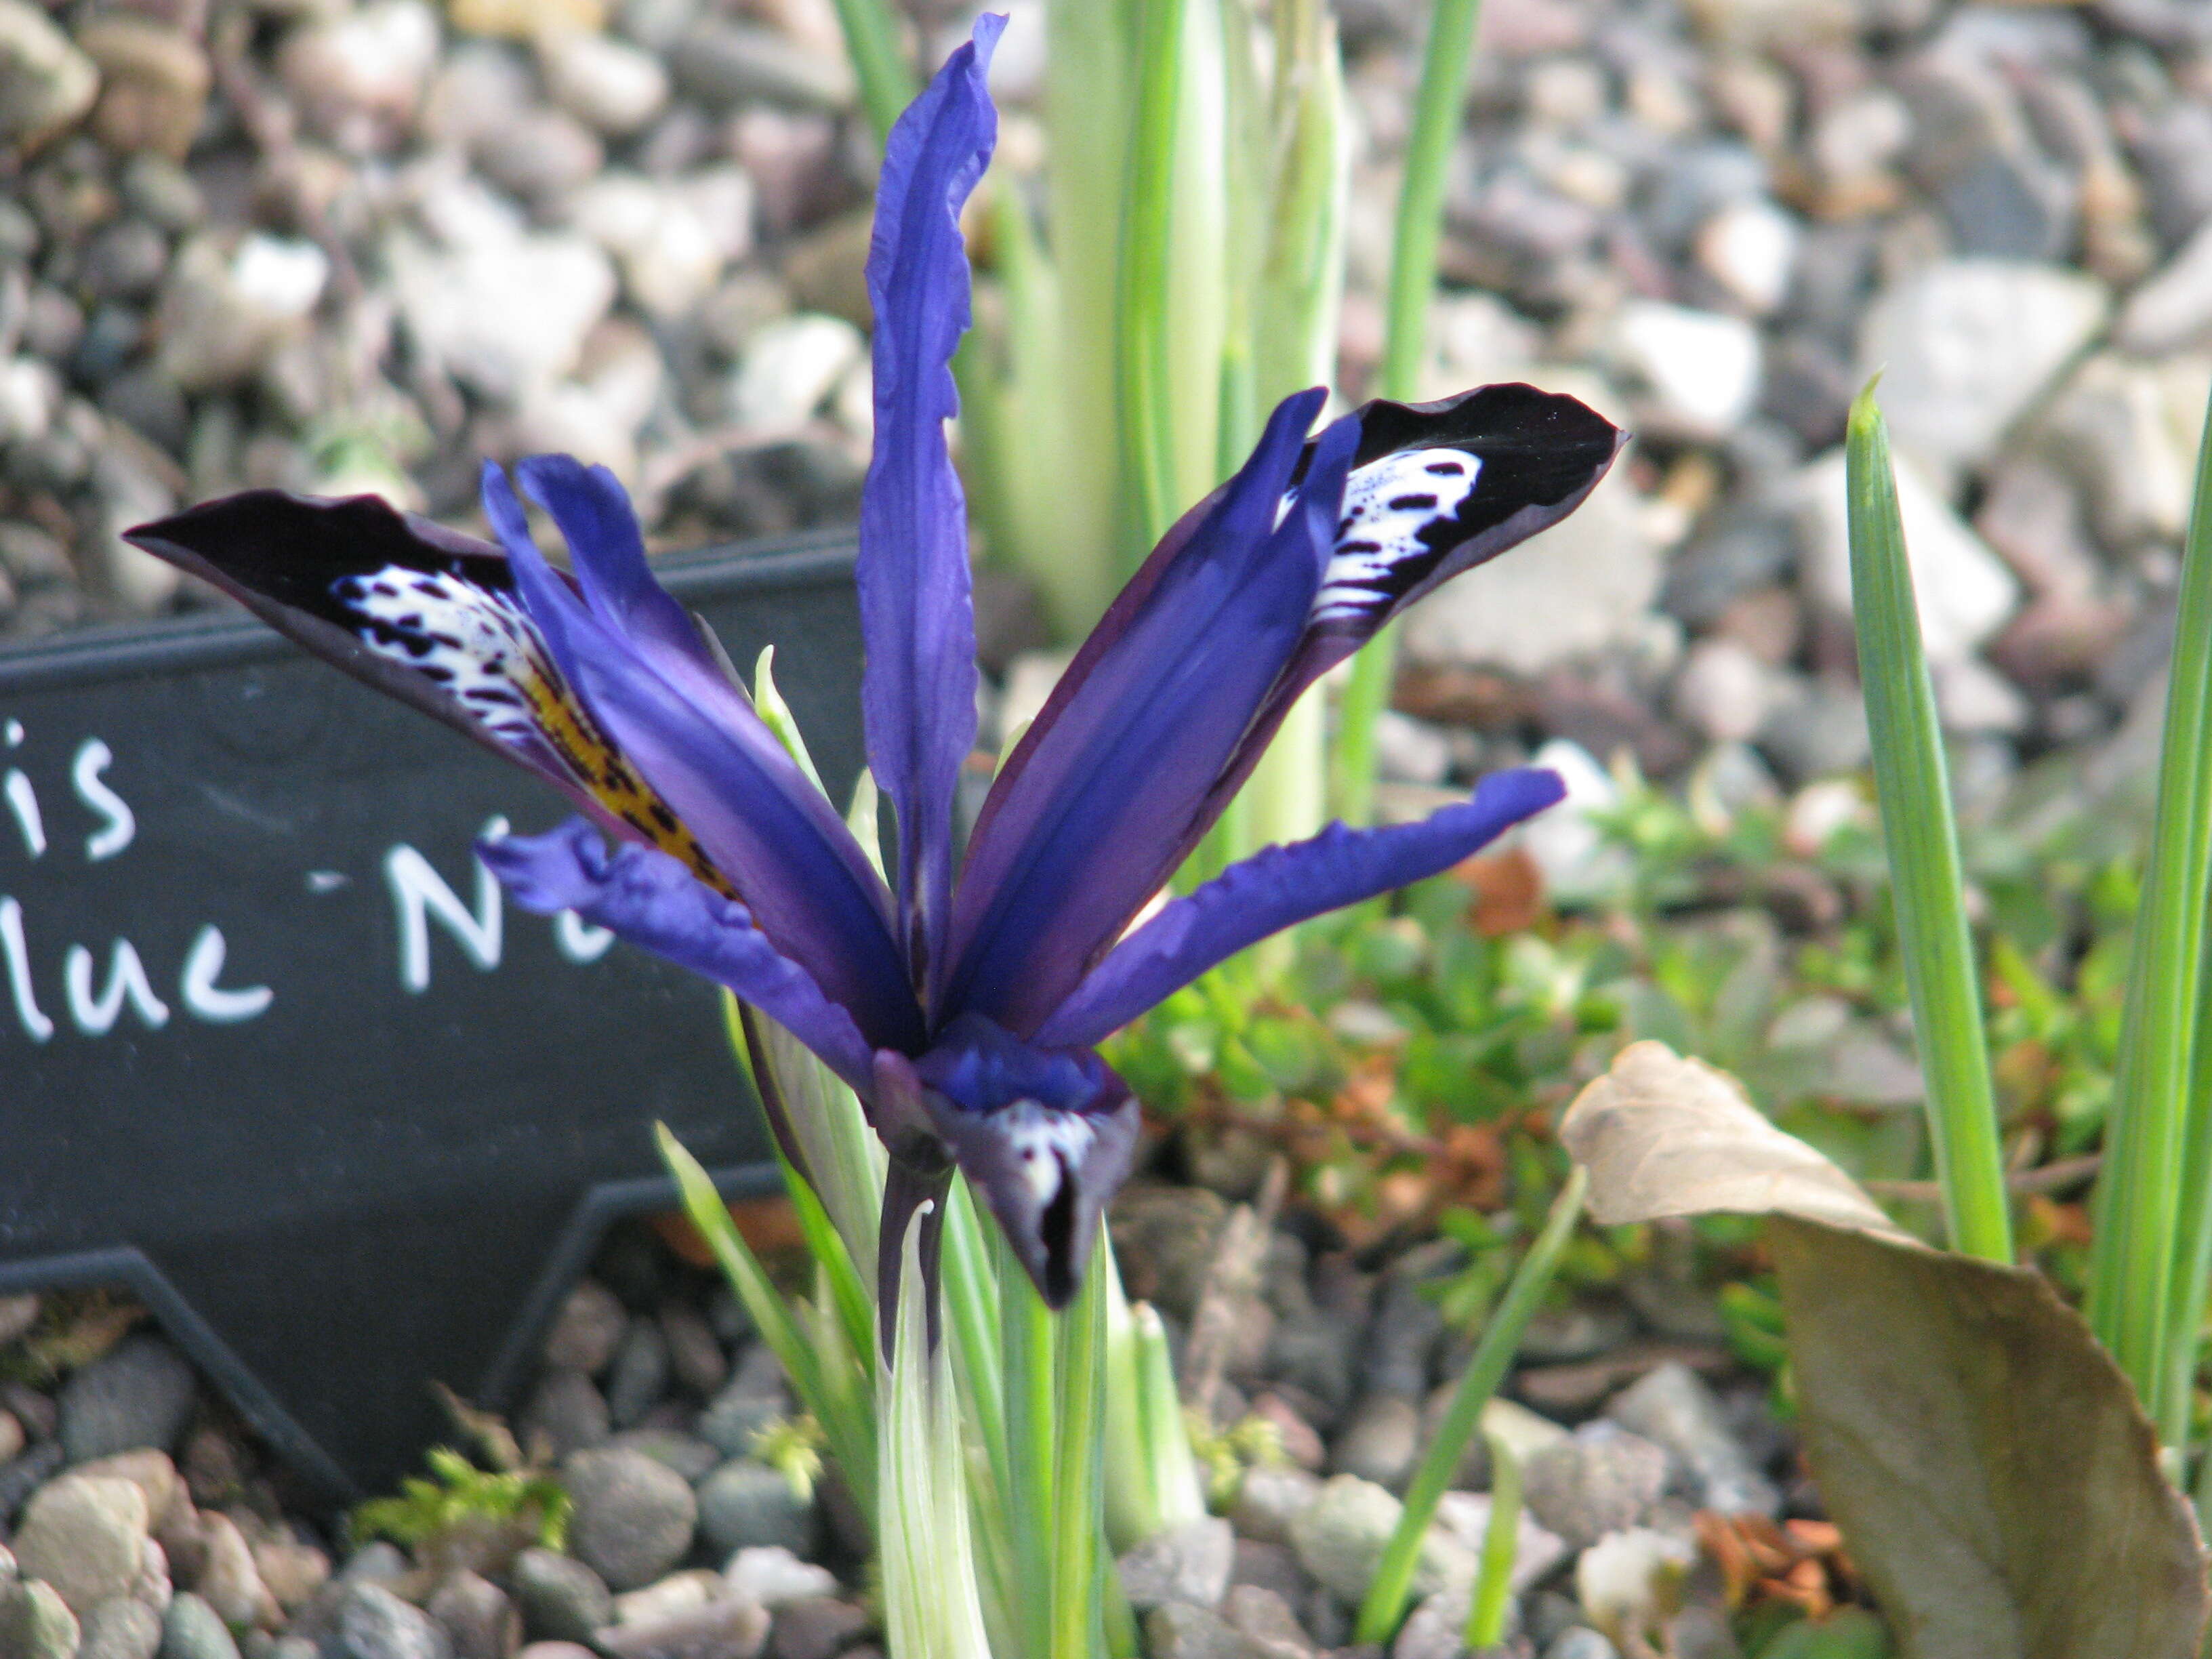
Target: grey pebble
{"x": 585, "y": 1333}
{"x": 372, "y": 1623}
{"x": 817, "y": 1627}
{"x": 1379, "y": 1441}
{"x": 1190, "y": 1562}
{"x": 1672, "y": 1408}
{"x": 1264, "y": 1618}
{"x": 479, "y": 1619}
{"x": 1179, "y": 1631}
{"x": 1269, "y": 1501}
{"x": 560, "y": 1599}
{"x": 1581, "y": 1642}
{"x": 695, "y": 1356}
{"x": 687, "y": 1454}
{"x": 733, "y": 1628}
{"x": 36, "y": 1623}
{"x": 633, "y": 1518}
{"x": 1600, "y": 1480}
{"x": 138, "y": 1394}
{"x": 121, "y": 1628}
{"x": 745, "y": 1504}
{"x": 640, "y": 1374}
{"x": 567, "y": 1411}
{"x": 191, "y": 1630}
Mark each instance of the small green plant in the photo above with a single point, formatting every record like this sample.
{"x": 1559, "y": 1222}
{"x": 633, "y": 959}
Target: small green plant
{"x": 457, "y": 1497}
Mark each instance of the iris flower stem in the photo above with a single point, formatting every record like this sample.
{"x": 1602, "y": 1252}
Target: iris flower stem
{"x": 1394, "y": 1575}
{"x": 1077, "y": 1609}
{"x": 1025, "y": 1339}
{"x": 1412, "y": 285}
{"x": 1921, "y": 840}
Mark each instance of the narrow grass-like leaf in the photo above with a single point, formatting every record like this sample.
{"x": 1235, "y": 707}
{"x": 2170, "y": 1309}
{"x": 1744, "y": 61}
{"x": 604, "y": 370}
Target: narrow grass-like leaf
{"x": 1501, "y": 1545}
{"x": 1091, "y": 111}
{"x": 930, "y": 1604}
{"x": 846, "y": 1422}
{"x": 1922, "y": 843}
{"x": 775, "y": 715}
{"x": 2157, "y": 1095}
{"x": 872, "y": 41}
{"x": 1394, "y": 1575}
{"x": 1078, "y": 1597}
{"x": 1026, "y": 1363}
{"x": 1412, "y": 284}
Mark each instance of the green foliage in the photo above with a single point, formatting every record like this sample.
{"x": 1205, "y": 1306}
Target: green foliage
{"x": 459, "y": 1497}
{"x": 1225, "y": 1455}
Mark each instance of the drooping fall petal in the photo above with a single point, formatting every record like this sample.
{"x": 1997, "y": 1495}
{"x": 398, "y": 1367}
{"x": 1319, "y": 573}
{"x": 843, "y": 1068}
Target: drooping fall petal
{"x": 1280, "y": 887}
{"x": 650, "y": 900}
{"x": 767, "y": 828}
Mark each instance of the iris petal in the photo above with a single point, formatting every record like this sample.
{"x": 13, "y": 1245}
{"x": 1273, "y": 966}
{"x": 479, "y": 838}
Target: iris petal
{"x": 917, "y": 612}
{"x": 1045, "y": 1136}
{"x": 426, "y": 615}
{"x": 1110, "y": 790}
{"x": 650, "y": 900}
{"x": 1280, "y": 887}
{"x": 767, "y": 828}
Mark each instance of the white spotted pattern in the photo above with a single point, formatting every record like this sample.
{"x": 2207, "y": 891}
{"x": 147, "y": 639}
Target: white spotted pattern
{"x": 1387, "y": 503}
{"x": 479, "y": 645}
{"x": 1048, "y": 1144}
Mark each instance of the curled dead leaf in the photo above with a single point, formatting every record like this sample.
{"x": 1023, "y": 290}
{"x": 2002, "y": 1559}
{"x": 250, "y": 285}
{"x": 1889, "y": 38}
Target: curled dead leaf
{"x": 1996, "y": 1480}
{"x": 1665, "y": 1136}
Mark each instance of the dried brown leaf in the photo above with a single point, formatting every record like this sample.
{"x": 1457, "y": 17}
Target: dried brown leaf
{"x": 1989, "y": 1464}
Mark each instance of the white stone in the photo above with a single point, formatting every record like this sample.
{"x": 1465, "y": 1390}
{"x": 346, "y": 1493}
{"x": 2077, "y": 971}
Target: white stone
{"x": 1750, "y": 248}
{"x": 772, "y": 1575}
{"x": 1689, "y": 374}
{"x": 2112, "y": 429}
{"x": 673, "y": 239}
{"x": 791, "y": 366}
{"x": 1724, "y": 690}
{"x": 220, "y": 316}
{"x": 1963, "y": 346}
{"x": 1409, "y": 750}
{"x": 504, "y": 317}
{"x": 1537, "y": 1550}
{"x": 30, "y": 398}
{"x": 1578, "y": 863}
{"x": 608, "y": 84}
{"x": 1577, "y": 588}
{"x": 361, "y": 74}
{"x": 2175, "y": 308}
{"x": 1973, "y": 698}
{"x": 1962, "y": 591}
{"x": 1626, "y": 1581}
{"x": 1476, "y": 339}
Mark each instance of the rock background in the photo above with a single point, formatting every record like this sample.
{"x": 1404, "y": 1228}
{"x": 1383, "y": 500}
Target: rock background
{"x": 334, "y": 246}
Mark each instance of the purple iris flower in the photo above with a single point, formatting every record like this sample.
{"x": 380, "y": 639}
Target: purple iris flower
{"x": 962, "y": 1009}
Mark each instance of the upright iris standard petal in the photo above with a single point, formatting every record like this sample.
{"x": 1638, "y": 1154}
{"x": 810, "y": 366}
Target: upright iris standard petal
{"x": 1106, "y": 802}
{"x": 652, "y": 901}
{"x": 1282, "y": 886}
{"x": 767, "y": 828}
{"x": 916, "y": 613}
